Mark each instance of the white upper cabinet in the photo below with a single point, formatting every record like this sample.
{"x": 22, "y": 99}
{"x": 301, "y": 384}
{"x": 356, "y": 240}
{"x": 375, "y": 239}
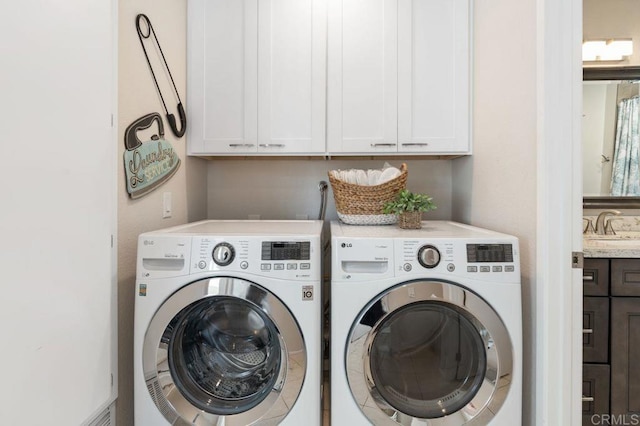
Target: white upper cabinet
{"x": 363, "y": 76}
{"x": 339, "y": 77}
{"x": 222, "y": 83}
{"x": 292, "y": 63}
{"x": 256, "y": 77}
{"x": 399, "y": 77}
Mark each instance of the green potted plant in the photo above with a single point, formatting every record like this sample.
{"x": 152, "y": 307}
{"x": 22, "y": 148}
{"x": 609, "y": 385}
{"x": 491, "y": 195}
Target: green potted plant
{"x": 409, "y": 206}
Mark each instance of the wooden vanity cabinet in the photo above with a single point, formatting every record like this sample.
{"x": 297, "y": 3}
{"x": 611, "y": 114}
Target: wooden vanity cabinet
{"x": 596, "y": 379}
{"x": 625, "y": 277}
{"x": 625, "y": 355}
{"x": 595, "y": 333}
{"x": 611, "y": 338}
{"x": 595, "y": 277}
{"x": 596, "y": 370}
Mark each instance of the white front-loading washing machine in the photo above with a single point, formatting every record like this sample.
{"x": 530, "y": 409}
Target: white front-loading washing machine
{"x": 426, "y": 326}
{"x": 228, "y": 324}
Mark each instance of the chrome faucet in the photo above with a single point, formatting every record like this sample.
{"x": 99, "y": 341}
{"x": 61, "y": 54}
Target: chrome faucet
{"x": 600, "y": 225}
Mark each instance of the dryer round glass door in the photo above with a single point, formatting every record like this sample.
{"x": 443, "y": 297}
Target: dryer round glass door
{"x": 223, "y": 350}
{"x": 429, "y": 350}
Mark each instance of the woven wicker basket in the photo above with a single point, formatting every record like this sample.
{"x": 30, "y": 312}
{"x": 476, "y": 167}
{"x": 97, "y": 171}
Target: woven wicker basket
{"x": 361, "y": 204}
{"x": 410, "y": 220}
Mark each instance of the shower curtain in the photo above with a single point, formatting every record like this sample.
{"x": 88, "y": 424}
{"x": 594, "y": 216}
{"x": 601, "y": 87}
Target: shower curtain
{"x": 625, "y": 178}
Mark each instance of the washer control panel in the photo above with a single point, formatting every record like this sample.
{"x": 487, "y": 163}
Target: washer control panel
{"x": 223, "y": 254}
{"x": 285, "y": 259}
{"x": 428, "y": 256}
{"x": 286, "y": 250}
{"x": 286, "y": 255}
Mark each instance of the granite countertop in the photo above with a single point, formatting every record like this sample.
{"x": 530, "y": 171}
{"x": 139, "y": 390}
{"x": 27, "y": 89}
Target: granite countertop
{"x": 624, "y": 244}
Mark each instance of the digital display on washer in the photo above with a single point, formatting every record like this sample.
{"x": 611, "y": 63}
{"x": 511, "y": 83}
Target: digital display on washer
{"x": 479, "y": 253}
{"x": 286, "y": 250}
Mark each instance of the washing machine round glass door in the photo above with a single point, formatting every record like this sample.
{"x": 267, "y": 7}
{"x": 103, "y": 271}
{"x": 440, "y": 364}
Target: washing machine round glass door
{"x": 223, "y": 351}
{"x": 429, "y": 350}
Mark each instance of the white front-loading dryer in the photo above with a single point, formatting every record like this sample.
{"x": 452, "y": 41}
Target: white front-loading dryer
{"x": 228, "y": 324}
{"x": 426, "y": 326}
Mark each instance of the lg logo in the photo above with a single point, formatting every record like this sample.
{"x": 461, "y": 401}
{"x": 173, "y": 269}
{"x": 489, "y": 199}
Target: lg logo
{"x": 346, "y": 245}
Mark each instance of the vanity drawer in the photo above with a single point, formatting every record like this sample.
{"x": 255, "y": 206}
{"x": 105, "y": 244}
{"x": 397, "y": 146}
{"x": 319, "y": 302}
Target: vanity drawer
{"x": 595, "y": 324}
{"x": 595, "y": 277}
{"x": 625, "y": 277}
{"x": 596, "y": 379}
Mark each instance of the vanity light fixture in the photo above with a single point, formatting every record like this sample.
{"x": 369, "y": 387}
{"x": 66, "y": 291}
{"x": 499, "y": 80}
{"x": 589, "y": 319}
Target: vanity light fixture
{"x": 606, "y": 50}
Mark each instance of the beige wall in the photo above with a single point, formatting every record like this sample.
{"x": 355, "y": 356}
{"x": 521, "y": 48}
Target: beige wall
{"x": 283, "y": 189}
{"x": 137, "y": 97}
{"x": 496, "y": 187}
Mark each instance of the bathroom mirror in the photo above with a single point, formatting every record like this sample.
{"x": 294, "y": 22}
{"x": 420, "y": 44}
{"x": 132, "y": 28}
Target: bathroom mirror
{"x": 611, "y": 137}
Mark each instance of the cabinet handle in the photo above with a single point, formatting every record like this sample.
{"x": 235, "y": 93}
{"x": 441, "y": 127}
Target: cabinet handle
{"x": 589, "y": 277}
{"x": 587, "y": 398}
{"x": 241, "y": 145}
{"x": 415, "y": 144}
{"x": 587, "y": 331}
{"x": 272, "y": 145}
{"x": 377, "y": 145}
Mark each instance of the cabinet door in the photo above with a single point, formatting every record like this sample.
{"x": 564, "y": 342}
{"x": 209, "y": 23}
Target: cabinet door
{"x": 433, "y": 76}
{"x": 292, "y": 76}
{"x": 595, "y": 325}
{"x": 625, "y": 353}
{"x": 595, "y": 277}
{"x": 595, "y": 393}
{"x": 362, "y": 81}
{"x": 222, "y": 66}
{"x": 625, "y": 277}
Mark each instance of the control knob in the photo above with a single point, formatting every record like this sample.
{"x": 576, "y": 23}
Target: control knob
{"x": 223, "y": 254}
{"x": 428, "y": 256}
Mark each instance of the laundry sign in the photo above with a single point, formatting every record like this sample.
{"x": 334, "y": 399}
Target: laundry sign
{"x": 147, "y": 164}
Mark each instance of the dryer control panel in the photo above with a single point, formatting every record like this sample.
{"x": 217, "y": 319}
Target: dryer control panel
{"x": 444, "y": 250}
{"x": 489, "y": 259}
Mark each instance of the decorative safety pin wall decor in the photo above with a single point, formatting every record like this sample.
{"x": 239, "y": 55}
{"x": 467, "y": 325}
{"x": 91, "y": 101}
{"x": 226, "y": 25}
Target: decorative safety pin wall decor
{"x": 181, "y": 112}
